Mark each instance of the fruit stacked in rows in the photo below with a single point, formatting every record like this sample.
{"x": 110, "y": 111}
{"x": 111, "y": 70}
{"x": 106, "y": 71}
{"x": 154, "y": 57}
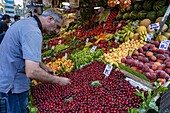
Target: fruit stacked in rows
{"x": 154, "y": 63}
{"x": 113, "y": 95}
{"x": 122, "y": 51}
{"x": 61, "y": 63}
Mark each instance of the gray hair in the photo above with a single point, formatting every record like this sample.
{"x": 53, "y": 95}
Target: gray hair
{"x": 57, "y": 14}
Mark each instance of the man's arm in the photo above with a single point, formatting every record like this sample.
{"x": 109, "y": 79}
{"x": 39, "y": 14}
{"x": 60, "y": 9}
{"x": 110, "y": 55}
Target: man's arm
{"x": 34, "y": 71}
{"x": 48, "y": 70}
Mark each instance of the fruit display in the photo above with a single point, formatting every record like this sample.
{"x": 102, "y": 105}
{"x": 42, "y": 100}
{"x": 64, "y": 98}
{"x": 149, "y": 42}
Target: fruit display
{"x": 84, "y": 57}
{"x": 61, "y": 64}
{"x": 55, "y": 49}
{"x": 147, "y": 9}
{"x": 120, "y": 37}
{"x": 151, "y": 61}
{"x": 84, "y": 95}
{"x": 122, "y": 51}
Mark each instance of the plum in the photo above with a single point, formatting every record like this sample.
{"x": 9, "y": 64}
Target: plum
{"x": 152, "y": 58}
{"x": 161, "y": 57}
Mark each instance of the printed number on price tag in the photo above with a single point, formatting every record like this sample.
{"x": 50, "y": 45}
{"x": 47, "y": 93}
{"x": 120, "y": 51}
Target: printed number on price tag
{"x": 108, "y": 70}
{"x": 149, "y": 37}
{"x": 93, "y": 49}
{"x": 164, "y": 44}
{"x": 87, "y": 40}
{"x": 117, "y": 38}
{"x": 154, "y": 26}
{"x": 53, "y": 47}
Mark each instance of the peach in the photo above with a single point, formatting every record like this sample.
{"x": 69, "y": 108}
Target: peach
{"x": 167, "y": 70}
{"x": 152, "y": 58}
{"x": 140, "y": 65}
{"x": 160, "y": 61}
{"x": 153, "y": 76}
{"x": 161, "y": 57}
{"x": 145, "y": 68}
{"x": 152, "y": 46}
{"x": 162, "y": 80}
{"x": 161, "y": 67}
{"x": 145, "y": 48}
{"x": 161, "y": 51}
{"x": 134, "y": 68}
{"x": 154, "y": 49}
{"x": 136, "y": 53}
{"x": 140, "y": 50}
{"x": 167, "y": 64}
{"x": 157, "y": 63}
{"x": 144, "y": 60}
{"x": 149, "y": 54}
{"x": 154, "y": 67}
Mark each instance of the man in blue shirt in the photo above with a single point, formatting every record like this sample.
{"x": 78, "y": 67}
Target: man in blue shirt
{"x": 20, "y": 59}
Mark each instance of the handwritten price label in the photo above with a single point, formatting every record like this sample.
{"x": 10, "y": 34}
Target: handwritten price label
{"x": 93, "y": 49}
{"x": 164, "y": 44}
{"x": 149, "y": 37}
{"x": 108, "y": 70}
{"x": 87, "y": 40}
{"x": 53, "y": 47}
{"x": 154, "y": 26}
{"x": 117, "y": 38}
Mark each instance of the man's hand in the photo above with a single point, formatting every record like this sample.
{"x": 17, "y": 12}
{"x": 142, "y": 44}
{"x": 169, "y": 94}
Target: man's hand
{"x": 64, "y": 81}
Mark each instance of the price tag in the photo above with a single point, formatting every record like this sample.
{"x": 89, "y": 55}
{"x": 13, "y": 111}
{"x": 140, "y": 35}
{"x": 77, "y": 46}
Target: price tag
{"x": 108, "y": 70}
{"x": 53, "y": 47}
{"x": 46, "y": 46}
{"x": 149, "y": 37}
{"x": 119, "y": 24}
{"x": 164, "y": 44}
{"x": 65, "y": 57}
{"x": 74, "y": 38}
{"x": 93, "y": 49}
{"x": 117, "y": 39}
{"x": 59, "y": 42}
{"x": 87, "y": 40}
{"x": 154, "y": 26}
{"x": 134, "y": 24}
{"x": 44, "y": 58}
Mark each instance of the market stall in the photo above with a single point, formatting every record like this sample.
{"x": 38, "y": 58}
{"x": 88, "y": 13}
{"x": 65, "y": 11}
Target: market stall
{"x": 118, "y": 59}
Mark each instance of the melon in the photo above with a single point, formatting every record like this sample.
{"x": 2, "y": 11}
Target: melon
{"x": 164, "y": 28}
{"x": 145, "y": 22}
{"x": 159, "y": 20}
{"x": 141, "y": 28}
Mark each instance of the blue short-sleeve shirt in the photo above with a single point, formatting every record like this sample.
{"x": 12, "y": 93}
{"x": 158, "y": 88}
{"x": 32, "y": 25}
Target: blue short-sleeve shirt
{"x": 23, "y": 40}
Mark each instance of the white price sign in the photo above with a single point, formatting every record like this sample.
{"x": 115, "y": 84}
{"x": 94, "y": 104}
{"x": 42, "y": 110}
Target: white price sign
{"x": 87, "y": 40}
{"x": 149, "y": 37}
{"x": 134, "y": 24}
{"x": 154, "y": 26}
{"x": 59, "y": 42}
{"x": 93, "y": 49}
{"x": 164, "y": 44}
{"x": 119, "y": 24}
{"x": 53, "y": 47}
{"x": 108, "y": 70}
{"x": 117, "y": 39}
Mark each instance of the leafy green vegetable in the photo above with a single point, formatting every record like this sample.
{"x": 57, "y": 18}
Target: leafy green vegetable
{"x": 96, "y": 83}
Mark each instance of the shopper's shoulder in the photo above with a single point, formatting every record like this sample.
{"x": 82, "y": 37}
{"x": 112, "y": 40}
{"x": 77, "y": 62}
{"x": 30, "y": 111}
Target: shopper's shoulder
{"x": 2, "y": 23}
